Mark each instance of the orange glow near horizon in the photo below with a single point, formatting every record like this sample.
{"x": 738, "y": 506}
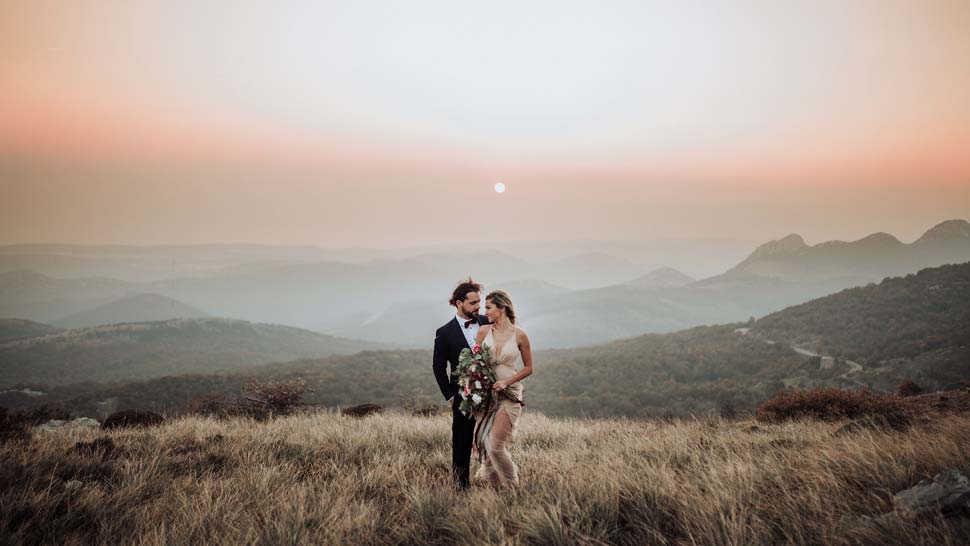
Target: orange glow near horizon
{"x": 729, "y": 119}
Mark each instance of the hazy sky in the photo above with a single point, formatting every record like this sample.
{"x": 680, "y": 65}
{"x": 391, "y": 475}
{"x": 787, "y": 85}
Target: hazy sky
{"x": 387, "y": 123}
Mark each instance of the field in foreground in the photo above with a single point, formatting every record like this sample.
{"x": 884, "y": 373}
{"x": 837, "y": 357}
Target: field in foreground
{"x": 325, "y": 478}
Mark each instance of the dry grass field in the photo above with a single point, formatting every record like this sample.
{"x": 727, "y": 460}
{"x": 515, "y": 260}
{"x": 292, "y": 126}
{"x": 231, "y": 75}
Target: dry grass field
{"x": 325, "y": 478}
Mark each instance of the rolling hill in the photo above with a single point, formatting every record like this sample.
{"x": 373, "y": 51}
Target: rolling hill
{"x": 133, "y": 308}
{"x": 739, "y": 364}
{"x": 152, "y": 349}
{"x": 11, "y": 329}
{"x": 917, "y": 326}
{"x": 31, "y": 295}
{"x": 664, "y": 277}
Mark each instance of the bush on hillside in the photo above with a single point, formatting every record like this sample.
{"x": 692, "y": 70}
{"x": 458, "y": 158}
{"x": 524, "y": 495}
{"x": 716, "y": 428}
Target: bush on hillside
{"x": 727, "y": 411}
{"x": 12, "y": 426}
{"x": 909, "y": 388}
{"x": 362, "y": 410}
{"x": 280, "y": 397}
{"x": 256, "y": 400}
{"x": 132, "y": 418}
{"x": 427, "y": 409}
{"x": 43, "y": 414}
{"x": 213, "y": 403}
{"x": 834, "y": 404}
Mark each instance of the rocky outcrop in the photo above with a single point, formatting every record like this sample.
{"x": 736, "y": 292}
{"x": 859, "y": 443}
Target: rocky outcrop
{"x": 948, "y": 492}
{"x": 55, "y": 425}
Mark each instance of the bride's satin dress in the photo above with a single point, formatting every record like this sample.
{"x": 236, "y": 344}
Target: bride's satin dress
{"x": 497, "y": 424}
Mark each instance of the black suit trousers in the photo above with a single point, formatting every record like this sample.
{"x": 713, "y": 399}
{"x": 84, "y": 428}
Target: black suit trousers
{"x": 462, "y": 430}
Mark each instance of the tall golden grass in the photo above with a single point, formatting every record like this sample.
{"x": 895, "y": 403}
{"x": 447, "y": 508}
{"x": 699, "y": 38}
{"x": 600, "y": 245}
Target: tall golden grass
{"x": 324, "y": 478}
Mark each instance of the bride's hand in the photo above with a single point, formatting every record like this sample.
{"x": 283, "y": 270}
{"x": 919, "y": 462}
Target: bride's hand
{"x": 500, "y": 385}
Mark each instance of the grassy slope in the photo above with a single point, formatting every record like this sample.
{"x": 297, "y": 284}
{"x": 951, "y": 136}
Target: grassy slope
{"x": 328, "y": 479}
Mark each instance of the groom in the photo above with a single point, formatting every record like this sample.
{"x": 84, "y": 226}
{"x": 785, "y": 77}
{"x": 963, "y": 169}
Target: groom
{"x": 457, "y": 334}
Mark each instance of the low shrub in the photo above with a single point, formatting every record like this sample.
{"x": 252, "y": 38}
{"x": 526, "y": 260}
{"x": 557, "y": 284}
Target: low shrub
{"x": 280, "y": 397}
{"x": 12, "y": 426}
{"x": 909, "y": 388}
{"x": 132, "y": 418}
{"x": 362, "y": 410}
{"x": 834, "y": 404}
{"x": 417, "y": 409}
{"x": 256, "y": 400}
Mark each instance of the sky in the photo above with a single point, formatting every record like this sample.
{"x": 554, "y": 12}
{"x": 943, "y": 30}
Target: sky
{"x": 387, "y": 124}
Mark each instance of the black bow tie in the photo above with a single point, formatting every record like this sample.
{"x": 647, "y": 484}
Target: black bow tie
{"x": 469, "y": 322}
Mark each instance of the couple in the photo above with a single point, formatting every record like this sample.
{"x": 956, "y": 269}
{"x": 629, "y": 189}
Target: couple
{"x": 490, "y": 431}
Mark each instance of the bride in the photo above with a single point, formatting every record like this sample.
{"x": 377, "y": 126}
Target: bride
{"x": 496, "y": 423}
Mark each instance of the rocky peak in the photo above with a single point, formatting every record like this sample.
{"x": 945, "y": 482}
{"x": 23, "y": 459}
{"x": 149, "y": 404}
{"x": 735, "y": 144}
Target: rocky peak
{"x": 791, "y": 244}
{"x": 945, "y": 232}
{"x": 879, "y": 239}
{"x": 662, "y": 277}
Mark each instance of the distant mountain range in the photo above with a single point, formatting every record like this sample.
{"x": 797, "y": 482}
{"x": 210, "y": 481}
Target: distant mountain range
{"x": 322, "y": 296}
{"x": 912, "y": 327}
{"x": 140, "y": 264}
{"x": 401, "y": 300}
{"x": 873, "y": 257}
{"x": 774, "y": 276}
{"x": 11, "y": 329}
{"x": 665, "y": 277}
{"x": 153, "y": 349}
{"x": 31, "y": 295}
{"x": 133, "y": 308}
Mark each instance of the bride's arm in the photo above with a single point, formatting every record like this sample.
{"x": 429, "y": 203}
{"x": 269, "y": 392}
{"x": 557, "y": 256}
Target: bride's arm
{"x": 525, "y": 346}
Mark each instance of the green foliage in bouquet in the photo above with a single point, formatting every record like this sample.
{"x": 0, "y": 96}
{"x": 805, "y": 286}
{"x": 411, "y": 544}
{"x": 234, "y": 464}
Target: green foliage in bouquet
{"x": 475, "y": 378}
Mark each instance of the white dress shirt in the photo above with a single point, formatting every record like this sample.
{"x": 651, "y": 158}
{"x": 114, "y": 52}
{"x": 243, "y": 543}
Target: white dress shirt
{"x": 471, "y": 332}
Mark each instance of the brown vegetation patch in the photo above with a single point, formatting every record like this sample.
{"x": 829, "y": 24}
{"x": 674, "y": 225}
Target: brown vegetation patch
{"x": 132, "y": 418}
{"x": 100, "y": 471}
{"x": 325, "y": 479}
{"x": 835, "y": 404}
{"x": 104, "y": 447}
{"x": 362, "y": 410}
{"x": 955, "y": 401}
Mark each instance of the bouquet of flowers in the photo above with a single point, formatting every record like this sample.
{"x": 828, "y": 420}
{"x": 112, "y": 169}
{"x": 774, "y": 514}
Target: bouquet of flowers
{"x": 475, "y": 378}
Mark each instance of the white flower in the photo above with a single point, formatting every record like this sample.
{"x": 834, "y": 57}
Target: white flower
{"x": 472, "y": 368}
{"x": 477, "y": 398}
{"x": 478, "y": 384}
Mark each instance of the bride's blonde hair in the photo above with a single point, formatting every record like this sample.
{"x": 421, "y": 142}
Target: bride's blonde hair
{"x": 502, "y": 300}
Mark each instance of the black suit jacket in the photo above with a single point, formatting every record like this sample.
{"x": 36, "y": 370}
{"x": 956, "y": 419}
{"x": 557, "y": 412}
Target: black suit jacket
{"x": 448, "y": 343}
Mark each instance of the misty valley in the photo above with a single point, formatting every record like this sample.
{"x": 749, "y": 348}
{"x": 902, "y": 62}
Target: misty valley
{"x": 611, "y": 339}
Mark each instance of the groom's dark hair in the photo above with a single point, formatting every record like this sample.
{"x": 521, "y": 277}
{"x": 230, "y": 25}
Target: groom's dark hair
{"x": 462, "y": 290}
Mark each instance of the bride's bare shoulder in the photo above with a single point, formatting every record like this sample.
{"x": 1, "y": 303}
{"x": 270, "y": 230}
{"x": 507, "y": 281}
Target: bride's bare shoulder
{"x": 482, "y": 332}
{"x": 521, "y": 336}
